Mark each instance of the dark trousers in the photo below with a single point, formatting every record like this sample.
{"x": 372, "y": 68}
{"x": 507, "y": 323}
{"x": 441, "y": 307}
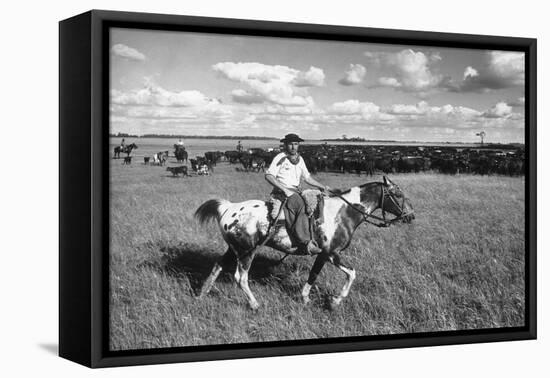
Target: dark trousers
{"x": 297, "y": 221}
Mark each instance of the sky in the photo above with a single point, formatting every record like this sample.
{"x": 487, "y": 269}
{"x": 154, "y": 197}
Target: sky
{"x": 214, "y": 84}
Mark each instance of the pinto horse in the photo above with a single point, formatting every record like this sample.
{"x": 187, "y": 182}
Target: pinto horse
{"x": 246, "y": 225}
{"x": 127, "y": 150}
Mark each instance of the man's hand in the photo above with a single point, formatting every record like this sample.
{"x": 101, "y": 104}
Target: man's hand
{"x": 326, "y": 189}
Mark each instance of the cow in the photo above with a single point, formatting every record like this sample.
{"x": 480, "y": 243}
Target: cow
{"x": 253, "y": 163}
{"x": 233, "y": 156}
{"x": 201, "y": 166}
{"x": 385, "y": 165}
{"x": 160, "y": 158}
{"x": 213, "y": 156}
{"x": 177, "y": 170}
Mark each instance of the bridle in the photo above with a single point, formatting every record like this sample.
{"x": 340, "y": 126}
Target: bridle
{"x": 382, "y": 221}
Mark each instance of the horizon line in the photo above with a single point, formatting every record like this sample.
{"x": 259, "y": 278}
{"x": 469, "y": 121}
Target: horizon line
{"x": 336, "y": 139}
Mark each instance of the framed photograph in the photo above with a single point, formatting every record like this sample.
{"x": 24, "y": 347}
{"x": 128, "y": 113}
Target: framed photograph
{"x": 234, "y": 188}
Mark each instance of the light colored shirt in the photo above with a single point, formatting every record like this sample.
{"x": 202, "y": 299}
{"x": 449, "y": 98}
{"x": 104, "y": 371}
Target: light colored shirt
{"x": 287, "y": 173}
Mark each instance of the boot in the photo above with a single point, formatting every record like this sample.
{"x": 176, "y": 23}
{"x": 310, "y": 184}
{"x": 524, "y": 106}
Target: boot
{"x": 309, "y": 248}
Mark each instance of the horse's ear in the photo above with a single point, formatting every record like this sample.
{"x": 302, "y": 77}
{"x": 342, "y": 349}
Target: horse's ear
{"x": 386, "y": 181}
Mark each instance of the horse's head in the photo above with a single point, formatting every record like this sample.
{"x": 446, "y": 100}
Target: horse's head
{"x": 394, "y": 201}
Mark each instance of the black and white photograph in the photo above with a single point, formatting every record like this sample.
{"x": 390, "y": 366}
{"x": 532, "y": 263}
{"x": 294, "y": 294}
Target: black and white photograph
{"x": 267, "y": 189}
{"x": 276, "y": 189}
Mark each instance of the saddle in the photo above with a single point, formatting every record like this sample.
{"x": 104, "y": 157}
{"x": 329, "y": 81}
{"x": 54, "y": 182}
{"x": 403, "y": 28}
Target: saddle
{"x": 313, "y": 199}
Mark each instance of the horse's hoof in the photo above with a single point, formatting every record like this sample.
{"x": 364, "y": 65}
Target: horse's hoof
{"x": 335, "y": 303}
{"x": 200, "y": 294}
{"x": 254, "y": 306}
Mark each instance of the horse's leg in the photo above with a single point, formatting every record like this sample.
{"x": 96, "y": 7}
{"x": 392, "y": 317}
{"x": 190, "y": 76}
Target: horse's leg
{"x": 243, "y": 265}
{"x": 224, "y": 261}
{"x": 315, "y": 270}
{"x": 350, "y": 273}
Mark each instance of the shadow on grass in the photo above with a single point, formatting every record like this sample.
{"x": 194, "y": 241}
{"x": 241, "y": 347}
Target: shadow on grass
{"x": 196, "y": 262}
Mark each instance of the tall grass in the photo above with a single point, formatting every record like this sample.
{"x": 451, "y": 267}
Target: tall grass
{"x": 460, "y": 265}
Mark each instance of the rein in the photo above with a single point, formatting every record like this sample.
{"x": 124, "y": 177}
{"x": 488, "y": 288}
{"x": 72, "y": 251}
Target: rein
{"x": 384, "y": 222}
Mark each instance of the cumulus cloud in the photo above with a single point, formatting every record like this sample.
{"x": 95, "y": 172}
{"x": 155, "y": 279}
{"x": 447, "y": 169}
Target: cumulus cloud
{"x": 421, "y": 121}
{"x": 209, "y": 111}
{"x": 508, "y": 65}
{"x": 354, "y": 111}
{"x": 410, "y": 71}
{"x": 146, "y": 108}
{"x": 155, "y": 95}
{"x": 402, "y": 109}
{"x": 274, "y": 84}
{"x": 499, "y": 110}
{"x": 127, "y": 52}
{"x": 314, "y": 77}
{"x": 144, "y": 112}
{"x": 450, "y": 111}
{"x": 455, "y": 117}
{"x": 354, "y": 75}
{"x": 246, "y": 97}
{"x": 354, "y": 107}
{"x": 414, "y": 71}
{"x": 389, "y": 82}
{"x": 470, "y": 72}
{"x": 420, "y": 114}
{"x": 422, "y": 108}
{"x": 501, "y": 69}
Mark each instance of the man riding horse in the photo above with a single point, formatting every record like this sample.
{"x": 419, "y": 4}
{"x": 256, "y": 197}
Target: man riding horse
{"x": 247, "y": 225}
{"x": 124, "y": 148}
{"x": 285, "y": 173}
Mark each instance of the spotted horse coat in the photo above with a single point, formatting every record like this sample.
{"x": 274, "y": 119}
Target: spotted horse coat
{"x": 245, "y": 225}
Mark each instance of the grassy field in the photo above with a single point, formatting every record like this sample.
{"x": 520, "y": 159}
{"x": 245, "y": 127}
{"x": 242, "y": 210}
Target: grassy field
{"x": 459, "y": 265}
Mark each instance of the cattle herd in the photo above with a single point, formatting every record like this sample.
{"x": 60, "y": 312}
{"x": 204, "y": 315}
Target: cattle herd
{"x": 483, "y": 160}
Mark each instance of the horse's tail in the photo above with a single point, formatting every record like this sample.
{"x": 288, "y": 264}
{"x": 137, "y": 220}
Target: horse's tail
{"x": 211, "y": 209}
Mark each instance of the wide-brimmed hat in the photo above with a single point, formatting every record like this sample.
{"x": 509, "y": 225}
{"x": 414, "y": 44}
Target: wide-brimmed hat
{"x": 289, "y": 138}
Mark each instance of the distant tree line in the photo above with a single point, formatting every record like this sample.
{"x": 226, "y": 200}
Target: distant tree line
{"x": 355, "y": 139}
{"x": 124, "y": 135}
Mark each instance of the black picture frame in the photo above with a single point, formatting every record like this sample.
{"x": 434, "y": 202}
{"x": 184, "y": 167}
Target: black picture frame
{"x": 83, "y": 181}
